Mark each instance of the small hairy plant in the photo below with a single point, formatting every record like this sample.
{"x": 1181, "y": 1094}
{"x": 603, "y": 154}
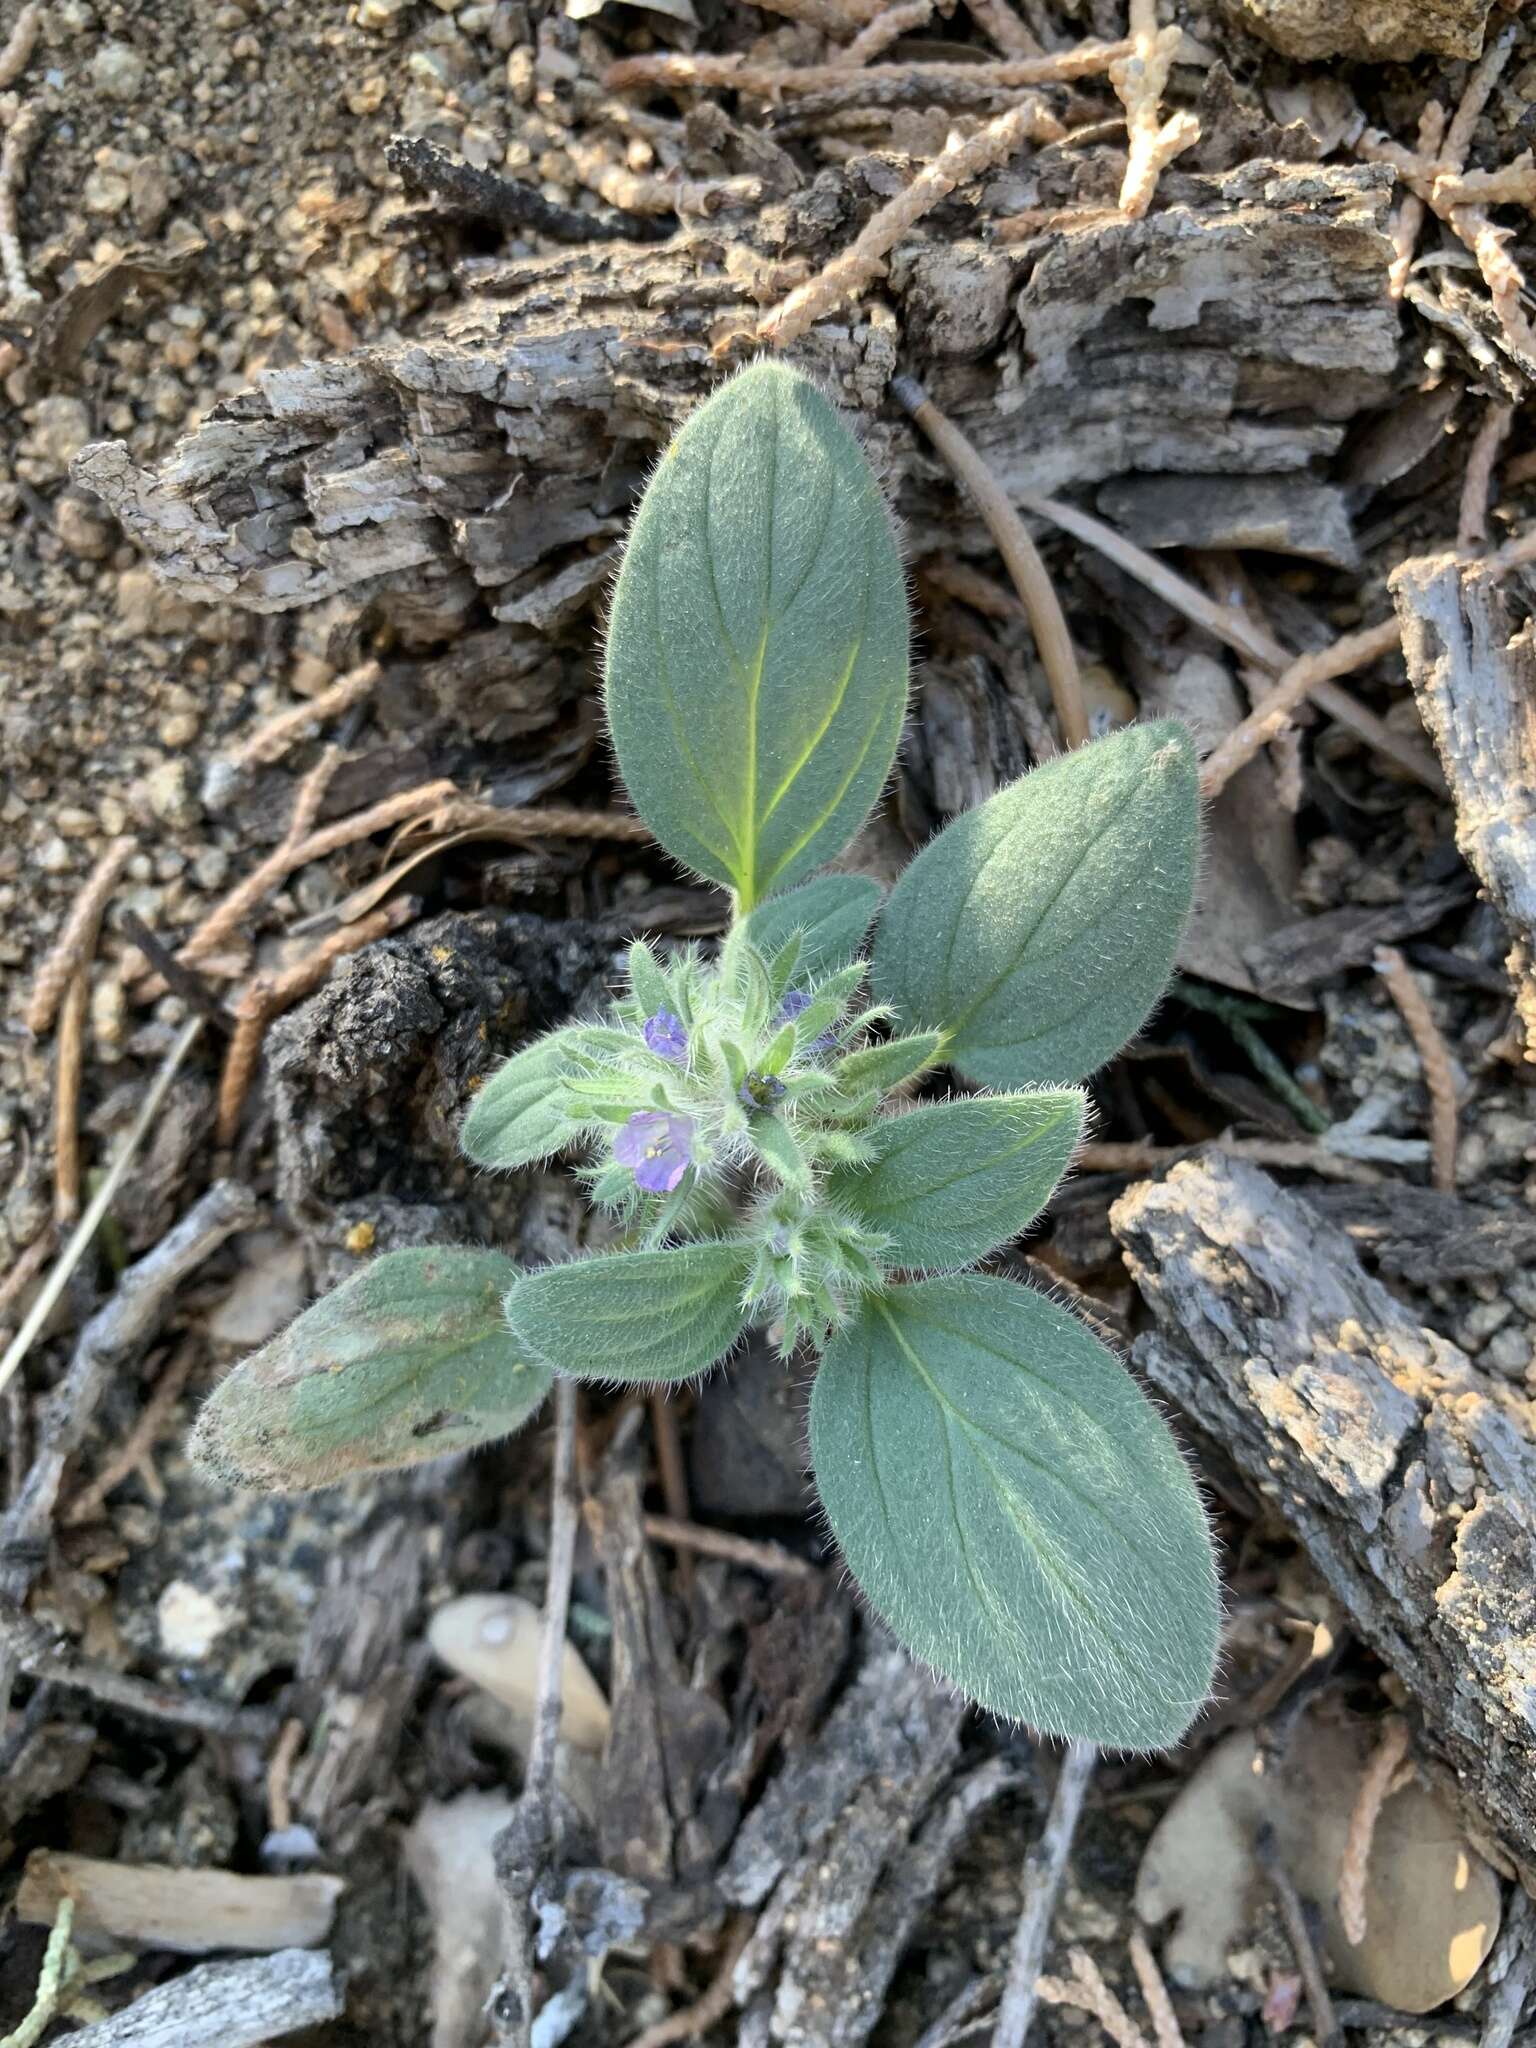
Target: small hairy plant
{"x": 1007, "y": 1498}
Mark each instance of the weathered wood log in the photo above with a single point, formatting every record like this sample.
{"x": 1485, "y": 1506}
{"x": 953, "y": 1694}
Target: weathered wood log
{"x": 1408, "y": 1475}
{"x": 226, "y": 2005}
{"x": 1472, "y": 661}
{"x": 1235, "y": 329}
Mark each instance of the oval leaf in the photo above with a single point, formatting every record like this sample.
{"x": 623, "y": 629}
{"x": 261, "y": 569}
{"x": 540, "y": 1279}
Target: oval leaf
{"x": 518, "y": 1116}
{"x": 628, "y": 1316}
{"x": 756, "y": 672}
{"x": 831, "y": 914}
{"x": 954, "y": 1180}
{"x": 1017, "y": 1511}
{"x": 1040, "y": 929}
{"x": 406, "y": 1360}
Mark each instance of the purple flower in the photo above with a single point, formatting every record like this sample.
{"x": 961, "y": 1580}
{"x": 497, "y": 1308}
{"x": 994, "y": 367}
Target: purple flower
{"x": 760, "y": 1091}
{"x": 664, "y": 1034}
{"x": 796, "y": 1000}
{"x": 659, "y": 1146}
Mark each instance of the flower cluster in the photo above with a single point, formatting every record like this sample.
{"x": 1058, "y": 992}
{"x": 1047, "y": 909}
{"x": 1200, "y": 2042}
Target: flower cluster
{"x": 727, "y": 1099}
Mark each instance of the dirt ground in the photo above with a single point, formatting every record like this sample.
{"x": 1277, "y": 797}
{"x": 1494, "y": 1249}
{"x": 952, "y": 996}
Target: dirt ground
{"x": 1308, "y": 1210}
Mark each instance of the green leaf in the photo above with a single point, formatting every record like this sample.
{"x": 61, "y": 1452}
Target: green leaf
{"x": 405, "y": 1360}
{"x": 952, "y": 1181}
{"x": 1017, "y": 1511}
{"x": 1040, "y": 929}
{"x": 646, "y": 981}
{"x": 756, "y": 673}
{"x": 831, "y": 914}
{"x": 519, "y": 1115}
{"x": 886, "y": 1065}
{"x": 628, "y": 1316}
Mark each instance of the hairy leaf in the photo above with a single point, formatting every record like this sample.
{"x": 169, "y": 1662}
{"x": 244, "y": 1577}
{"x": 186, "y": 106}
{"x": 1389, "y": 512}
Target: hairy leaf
{"x": 1018, "y": 1512}
{"x": 831, "y": 914}
{"x": 409, "y": 1358}
{"x": 1040, "y": 929}
{"x": 888, "y": 1064}
{"x": 626, "y": 1316}
{"x": 756, "y": 673}
{"x": 519, "y": 1115}
{"x": 954, "y": 1180}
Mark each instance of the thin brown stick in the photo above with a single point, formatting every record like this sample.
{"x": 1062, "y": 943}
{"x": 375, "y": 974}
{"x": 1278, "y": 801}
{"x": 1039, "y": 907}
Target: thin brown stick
{"x": 1165, "y": 2021}
{"x": 537, "y": 822}
{"x": 695, "y": 2021}
{"x": 673, "y": 1472}
{"x": 1294, "y": 1918}
{"x": 996, "y": 18}
{"x": 887, "y": 27}
{"x": 1482, "y": 459}
{"x": 771, "y": 1558}
{"x": 297, "y": 851}
{"x": 768, "y": 81}
{"x": 140, "y": 1441}
{"x": 268, "y": 996}
{"x": 1021, "y": 557}
{"x": 68, "y": 1069}
{"x": 1410, "y": 214}
{"x": 1435, "y": 1058}
{"x": 1375, "y": 1789}
{"x": 20, "y": 43}
{"x": 26, "y": 1269}
{"x": 647, "y": 193}
{"x": 1089, "y": 1993}
{"x": 77, "y": 938}
{"x": 847, "y": 275}
{"x": 1045, "y": 1870}
{"x": 523, "y": 1847}
{"x": 1274, "y": 712}
{"x": 1236, "y": 630}
{"x": 272, "y": 740}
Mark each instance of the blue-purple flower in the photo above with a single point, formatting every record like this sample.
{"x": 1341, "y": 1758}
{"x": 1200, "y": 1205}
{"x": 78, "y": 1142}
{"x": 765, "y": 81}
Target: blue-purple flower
{"x": 797, "y": 1000}
{"x": 658, "y": 1144}
{"x": 760, "y": 1091}
{"x": 664, "y": 1034}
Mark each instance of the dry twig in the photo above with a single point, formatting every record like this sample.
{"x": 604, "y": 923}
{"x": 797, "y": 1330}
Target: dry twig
{"x": 887, "y": 27}
{"x": 1434, "y": 1056}
{"x": 1236, "y": 630}
{"x": 769, "y": 81}
{"x": 524, "y": 1846}
{"x": 695, "y": 2021}
{"x": 646, "y": 193}
{"x": 20, "y": 43}
{"x": 1375, "y": 1788}
{"x": 140, "y": 1441}
{"x": 72, "y": 948}
{"x": 20, "y": 139}
{"x": 1088, "y": 1993}
{"x": 280, "y": 1772}
{"x": 847, "y": 275}
{"x": 272, "y": 740}
{"x": 1299, "y": 681}
{"x": 771, "y": 1558}
{"x": 1293, "y": 1914}
{"x": 1139, "y": 80}
{"x": 996, "y": 18}
{"x": 1037, "y": 593}
{"x": 1482, "y": 459}
{"x": 266, "y": 998}
{"x": 1165, "y": 2021}
{"x": 68, "y": 1069}
{"x": 1045, "y": 1869}
{"x": 1410, "y": 214}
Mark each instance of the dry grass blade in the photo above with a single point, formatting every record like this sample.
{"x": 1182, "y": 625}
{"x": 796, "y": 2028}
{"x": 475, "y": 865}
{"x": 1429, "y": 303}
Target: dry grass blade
{"x": 1299, "y": 681}
{"x": 73, "y": 946}
{"x": 769, "y": 81}
{"x": 1482, "y": 459}
{"x": 271, "y": 741}
{"x": 1165, "y": 2023}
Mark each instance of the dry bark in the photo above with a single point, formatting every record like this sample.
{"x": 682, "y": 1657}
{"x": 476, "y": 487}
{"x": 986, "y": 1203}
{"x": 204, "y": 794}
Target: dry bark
{"x": 1408, "y": 1475}
{"x": 1234, "y": 330}
{"x": 1472, "y": 661}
